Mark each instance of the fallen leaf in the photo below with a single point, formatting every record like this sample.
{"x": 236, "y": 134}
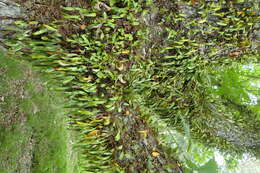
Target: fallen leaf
{"x": 155, "y": 154}
{"x": 93, "y": 133}
{"x": 58, "y": 68}
{"x": 125, "y": 52}
{"x": 82, "y": 27}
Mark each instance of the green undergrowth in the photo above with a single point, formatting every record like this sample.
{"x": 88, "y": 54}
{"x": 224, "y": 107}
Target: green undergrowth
{"x": 33, "y": 136}
{"x": 90, "y": 69}
{"x": 142, "y": 60}
{"x": 199, "y": 42}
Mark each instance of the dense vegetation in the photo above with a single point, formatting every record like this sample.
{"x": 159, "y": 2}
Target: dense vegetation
{"x": 126, "y": 65}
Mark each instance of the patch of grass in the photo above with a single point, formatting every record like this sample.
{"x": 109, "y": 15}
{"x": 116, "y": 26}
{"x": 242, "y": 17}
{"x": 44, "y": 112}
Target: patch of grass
{"x": 33, "y": 134}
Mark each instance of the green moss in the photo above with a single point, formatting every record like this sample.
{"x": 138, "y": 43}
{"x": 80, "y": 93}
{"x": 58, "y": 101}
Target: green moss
{"x": 33, "y": 133}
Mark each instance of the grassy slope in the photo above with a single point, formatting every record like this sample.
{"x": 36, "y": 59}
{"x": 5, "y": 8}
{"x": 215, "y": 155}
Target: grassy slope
{"x": 33, "y": 136}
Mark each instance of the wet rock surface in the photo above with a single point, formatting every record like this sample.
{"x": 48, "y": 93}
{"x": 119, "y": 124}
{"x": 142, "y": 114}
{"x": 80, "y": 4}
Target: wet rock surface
{"x": 9, "y": 11}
